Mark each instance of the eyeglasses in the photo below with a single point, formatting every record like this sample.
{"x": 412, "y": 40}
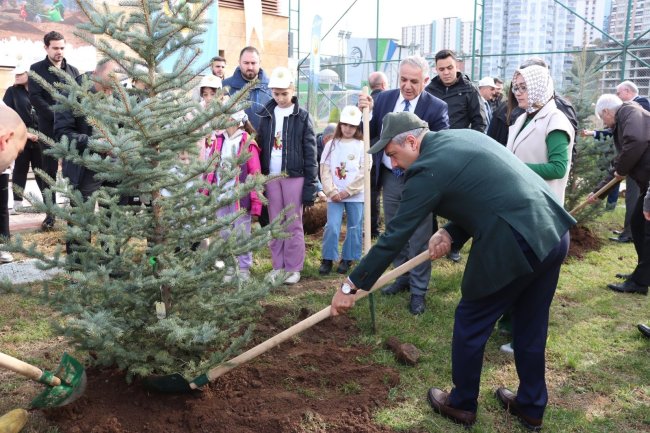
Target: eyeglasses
{"x": 519, "y": 89}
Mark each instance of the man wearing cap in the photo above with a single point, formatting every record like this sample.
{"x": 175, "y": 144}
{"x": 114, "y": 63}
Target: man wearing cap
{"x": 410, "y": 97}
{"x": 248, "y": 70}
{"x": 17, "y": 98}
{"x": 459, "y": 175}
{"x": 486, "y": 88}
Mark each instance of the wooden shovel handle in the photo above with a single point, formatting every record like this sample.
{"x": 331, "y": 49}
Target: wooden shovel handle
{"x": 309, "y": 321}
{"x": 582, "y": 205}
{"x": 27, "y": 370}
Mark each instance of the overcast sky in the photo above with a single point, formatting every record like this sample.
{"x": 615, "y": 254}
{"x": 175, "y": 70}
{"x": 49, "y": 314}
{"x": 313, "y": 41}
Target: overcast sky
{"x": 361, "y": 19}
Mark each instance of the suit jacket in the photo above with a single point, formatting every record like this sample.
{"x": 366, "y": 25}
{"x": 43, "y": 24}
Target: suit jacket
{"x": 429, "y": 108}
{"x": 460, "y": 175}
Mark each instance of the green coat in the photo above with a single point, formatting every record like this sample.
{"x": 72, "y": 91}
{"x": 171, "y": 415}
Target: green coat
{"x": 470, "y": 179}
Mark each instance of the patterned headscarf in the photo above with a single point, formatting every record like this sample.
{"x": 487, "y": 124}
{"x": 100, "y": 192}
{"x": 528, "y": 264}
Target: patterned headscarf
{"x": 539, "y": 84}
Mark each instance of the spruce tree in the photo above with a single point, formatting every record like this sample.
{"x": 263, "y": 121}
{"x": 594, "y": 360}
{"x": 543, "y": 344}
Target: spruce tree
{"x": 592, "y": 158}
{"x": 139, "y": 296}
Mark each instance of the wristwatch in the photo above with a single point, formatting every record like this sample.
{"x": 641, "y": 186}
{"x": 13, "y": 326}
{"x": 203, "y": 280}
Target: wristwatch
{"x": 347, "y": 289}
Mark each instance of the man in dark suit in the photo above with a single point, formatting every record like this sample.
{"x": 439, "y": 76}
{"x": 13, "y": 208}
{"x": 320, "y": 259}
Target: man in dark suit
{"x": 43, "y": 102}
{"x": 411, "y": 97}
{"x": 378, "y": 82}
{"x": 459, "y": 175}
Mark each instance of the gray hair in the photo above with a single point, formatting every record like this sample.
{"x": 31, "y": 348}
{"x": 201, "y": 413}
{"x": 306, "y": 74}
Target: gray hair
{"x": 627, "y": 84}
{"x": 418, "y": 62}
{"x": 608, "y": 102}
{"x": 401, "y": 137}
{"x": 329, "y": 129}
{"x": 376, "y": 79}
{"x": 533, "y": 61}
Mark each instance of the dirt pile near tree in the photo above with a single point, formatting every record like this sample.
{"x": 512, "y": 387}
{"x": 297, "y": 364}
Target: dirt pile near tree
{"x": 313, "y": 383}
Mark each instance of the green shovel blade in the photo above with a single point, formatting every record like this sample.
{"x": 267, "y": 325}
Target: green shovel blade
{"x": 73, "y": 385}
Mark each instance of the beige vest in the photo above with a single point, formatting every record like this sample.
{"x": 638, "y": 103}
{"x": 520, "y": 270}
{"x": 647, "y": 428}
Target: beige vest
{"x": 529, "y": 145}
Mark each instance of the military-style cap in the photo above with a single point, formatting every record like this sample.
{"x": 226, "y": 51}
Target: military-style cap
{"x": 394, "y": 124}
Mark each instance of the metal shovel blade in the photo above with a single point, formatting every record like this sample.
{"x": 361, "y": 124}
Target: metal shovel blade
{"x": 73, "y": 384}
{"x": 171, "y": 383}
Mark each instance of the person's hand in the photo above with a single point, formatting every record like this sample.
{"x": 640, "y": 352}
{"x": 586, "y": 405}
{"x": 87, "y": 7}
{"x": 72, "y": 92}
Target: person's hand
{"x": 618, "y": 176}
{"x": 343, "y": 195}
{"x": 439, "y": 244}
{"x": 591, "y": 198}
{"x": 342, "y": 303}
{"x": 586, "y": 133}
{"x": 32, "y": 137}
{"x": 365, "y": 101}
{"x": 646, "y": 214}
{"x": 336, "y": 197}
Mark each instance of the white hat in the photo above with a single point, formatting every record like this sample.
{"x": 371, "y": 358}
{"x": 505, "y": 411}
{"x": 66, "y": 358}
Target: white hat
{"x": 21, "y": 68}
{"x": 239, "y": 116}
{"x": 211, "y": 81}
{"x": 351, "y": 115}
{"x": 487, "y": 82}
{"x": 281, "y": 78}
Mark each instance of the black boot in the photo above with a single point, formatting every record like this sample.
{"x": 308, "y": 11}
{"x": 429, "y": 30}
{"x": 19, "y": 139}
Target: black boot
{"x": 325, "y": 267}
{"x": 344, "y": 266}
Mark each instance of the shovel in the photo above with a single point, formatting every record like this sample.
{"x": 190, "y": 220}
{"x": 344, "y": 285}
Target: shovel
{"x": 65, "y": 385}
{"x": 584, "y": 204}
{"x": 175, "y": 383}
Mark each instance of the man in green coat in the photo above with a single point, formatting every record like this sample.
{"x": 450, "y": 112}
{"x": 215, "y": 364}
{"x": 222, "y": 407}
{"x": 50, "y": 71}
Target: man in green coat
{"x": 519, "y": 239}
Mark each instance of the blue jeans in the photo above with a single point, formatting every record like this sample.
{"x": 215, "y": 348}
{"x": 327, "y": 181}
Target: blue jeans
{"x": 352, "y": 242}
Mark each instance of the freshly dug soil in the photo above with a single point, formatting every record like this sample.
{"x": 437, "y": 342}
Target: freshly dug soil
{"x": 313, "y": 383}
{"x": 582, "y": 241}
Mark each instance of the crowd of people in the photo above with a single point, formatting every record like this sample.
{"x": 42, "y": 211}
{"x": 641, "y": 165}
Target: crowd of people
{"x": 440, "y": 145}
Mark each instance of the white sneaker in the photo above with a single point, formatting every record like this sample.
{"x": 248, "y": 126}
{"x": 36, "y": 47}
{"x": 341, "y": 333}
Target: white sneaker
{"x": 274, "y": 276}
{"x": 244, "y": 274}
{"x": 292, "y": 278}
{"x": 507, "y": 348}
{"x": 6, "y": 257}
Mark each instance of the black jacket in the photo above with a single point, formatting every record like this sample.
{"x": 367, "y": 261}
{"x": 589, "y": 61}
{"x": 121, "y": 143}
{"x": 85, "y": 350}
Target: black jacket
{"x": 40, "y": 98}
{"x": 17, "y": 98}
{"x": 463, "y": 102}
{"x": 75, "y": 129}
{"x": 298, "y": 149}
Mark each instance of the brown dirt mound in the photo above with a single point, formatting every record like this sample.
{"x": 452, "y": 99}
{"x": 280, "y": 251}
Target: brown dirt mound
{"x": 312, "y": 383}
{"x": 582, "y": 241}
{"x": 314, "y": 218}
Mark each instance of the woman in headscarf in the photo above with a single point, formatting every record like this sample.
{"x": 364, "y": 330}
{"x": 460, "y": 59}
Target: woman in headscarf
{"x": 543, "y": 138}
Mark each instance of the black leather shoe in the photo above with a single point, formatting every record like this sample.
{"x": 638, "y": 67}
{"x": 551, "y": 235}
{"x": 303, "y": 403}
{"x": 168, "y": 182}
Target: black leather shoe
{"x": 624, "y": 276}
{"x": 344, "y": 266}
{"x": 417, "y": 304}
{"x": 621, "y": 239}
{"x": 48, "y": 223}
{"x": 454, "y": 256}
{"x": 438, "y": 401}
{"x": 644, "y": 329}
{"x": 325, "y": 267}
{"x": 508, "y": 400}
{"x": 629, "y": 286}
{"x": 394, "y": 289}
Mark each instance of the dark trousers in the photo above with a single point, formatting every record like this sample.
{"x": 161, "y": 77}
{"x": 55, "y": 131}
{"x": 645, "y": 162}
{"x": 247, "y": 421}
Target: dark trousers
{"x": 32, "y": 154}
{"x": 641, "y": 237}
{"x": 87, "y": 185}
{"x": 375, "y": 191}
{"x": 418, "y": 278}
{"x": 51, "y": 167}
{"x": 4, "y": 206}
{"x": 530, "y": 297}
{"x": 631, "y": 199}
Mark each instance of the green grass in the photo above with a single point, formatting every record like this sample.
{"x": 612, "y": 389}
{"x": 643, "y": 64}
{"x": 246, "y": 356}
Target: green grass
{"x": 598, "y": 365}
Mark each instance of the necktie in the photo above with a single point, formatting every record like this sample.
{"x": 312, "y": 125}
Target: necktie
{"x": 488, "y": 112}
{"x": 398, "y": 171}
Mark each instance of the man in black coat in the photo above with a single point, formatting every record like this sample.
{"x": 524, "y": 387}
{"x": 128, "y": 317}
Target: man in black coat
{"x": 43, "y": 102}
{"x": 17, "y": 98}
{"x": 78, "y": 132}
